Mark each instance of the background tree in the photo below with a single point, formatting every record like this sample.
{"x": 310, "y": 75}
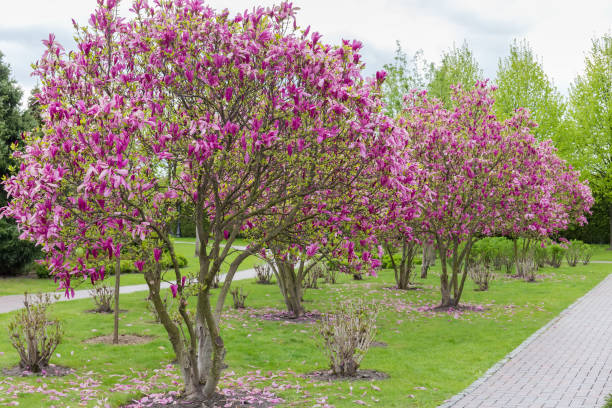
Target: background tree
{"x": 588, "y": 143}
{"x": 474, "y": 168}
{"x": 14, "y": 253}
{"x": 458, "y": 66}
{"x": 403, "y": 75}
{"x": 522, "y": 83}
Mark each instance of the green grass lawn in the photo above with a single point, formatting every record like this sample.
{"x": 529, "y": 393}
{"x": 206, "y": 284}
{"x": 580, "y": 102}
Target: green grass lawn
{"x": 18, "y": 285}
{"x": 430, "y": 356}
{"x": 601, "y": 253}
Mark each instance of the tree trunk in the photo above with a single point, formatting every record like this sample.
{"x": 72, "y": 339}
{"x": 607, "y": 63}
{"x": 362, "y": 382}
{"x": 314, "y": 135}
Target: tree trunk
{"x": 429, "y": 258}
{"x": 610, "y": 212}
{"x": 197, "y": 244}
{"x": 445, "y": 287}
{"x": 290, "y": 285}
{"x": 117, "y": 289}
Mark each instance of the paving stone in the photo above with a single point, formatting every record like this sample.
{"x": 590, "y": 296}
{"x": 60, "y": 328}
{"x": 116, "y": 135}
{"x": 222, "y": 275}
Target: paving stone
{"x": 566, "y": 364}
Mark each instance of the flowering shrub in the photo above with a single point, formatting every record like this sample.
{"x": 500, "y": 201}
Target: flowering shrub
{"x": 347, "y": 334}
{"x": 34, "y": 334}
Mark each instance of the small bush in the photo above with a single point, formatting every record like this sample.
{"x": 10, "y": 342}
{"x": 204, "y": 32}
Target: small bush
{"x": 103, "y": 296}
{"x": 481, "y": 275}
{"x": 33, "y": 334}
{"x": 541, "y": 255}
{"x": 41, "y": 271}
{"x": 166, "y": 261}
{"x": 239, "y": 297}
{"x": 527, "y": 268}
{"x": 316, "y": 271}
{"x": 263, "y": 274}
{"x": 347, "y": 335}
{"x": 330, "y": 276}
{"x": 557, "y": 252}
{"x": 587, "y": 253}
{"x": 573, "y": 252}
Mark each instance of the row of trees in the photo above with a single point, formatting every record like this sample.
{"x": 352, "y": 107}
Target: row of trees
{"x": 579, "y": 126}
{"x": 263, "y": 129}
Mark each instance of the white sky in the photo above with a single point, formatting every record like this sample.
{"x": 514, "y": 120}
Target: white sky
{"x": 559, "y": 31}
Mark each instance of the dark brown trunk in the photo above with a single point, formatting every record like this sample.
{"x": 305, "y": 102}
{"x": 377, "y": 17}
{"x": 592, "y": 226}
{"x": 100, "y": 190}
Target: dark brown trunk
{"x": 610, "y": 212}
{"x": 290, "y": 286}
{"x": 117, "y": 289}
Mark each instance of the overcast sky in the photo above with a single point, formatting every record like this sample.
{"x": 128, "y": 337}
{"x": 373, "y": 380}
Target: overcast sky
{"x": 559, "y": 31}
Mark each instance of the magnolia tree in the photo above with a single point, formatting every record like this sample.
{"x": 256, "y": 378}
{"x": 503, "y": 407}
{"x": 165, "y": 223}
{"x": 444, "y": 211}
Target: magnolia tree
{"x": 474, "y": 167}
{"x": 555, "y": 200}
{"x": 253, "y": 117}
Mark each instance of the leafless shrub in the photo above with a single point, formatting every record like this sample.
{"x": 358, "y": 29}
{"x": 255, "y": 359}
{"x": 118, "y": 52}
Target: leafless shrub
{"x": 34, "y": 334}
{"x": 347, "y": 334}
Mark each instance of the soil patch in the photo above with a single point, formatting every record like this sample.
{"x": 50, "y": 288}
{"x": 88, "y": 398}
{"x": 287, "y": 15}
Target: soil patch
{"x": 123, "y": 339}
{"x": 106, "y": 313}
{"x": 235, "y": 399}
{"x": 460, "y": 308}
{"x": 411, "y": 287}
{"x": 308, "y": 317}
{"x": 51, "y": 370}
{"x": 378, "y": 344}
{"x": 328, "y": 375}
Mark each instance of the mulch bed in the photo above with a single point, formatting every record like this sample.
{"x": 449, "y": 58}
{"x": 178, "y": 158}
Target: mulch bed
{"x": 123, "y": 339}
{"x": 328, "y": 375}
{"x": 308, "y": 317}
{"x": 237, "y": 399}
{"x": 106, "y": 313}
{"x": 51, "y": 370}
{"x": 460, "y": 308}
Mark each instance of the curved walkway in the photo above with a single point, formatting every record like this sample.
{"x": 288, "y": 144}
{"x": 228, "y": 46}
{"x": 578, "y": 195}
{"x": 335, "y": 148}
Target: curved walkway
{"x": 567, "y": 363}
{"x": 14, "y": 302}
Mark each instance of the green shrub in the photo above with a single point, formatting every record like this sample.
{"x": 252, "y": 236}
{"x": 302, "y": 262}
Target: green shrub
{"x": 574, "y": 252}
{"x": 557, "y": 252}
{"x": 14, "y": 253}
{"x": 493, "y": 252}
{"x": 397, "y": 257}
{"x": 166, "y": 261}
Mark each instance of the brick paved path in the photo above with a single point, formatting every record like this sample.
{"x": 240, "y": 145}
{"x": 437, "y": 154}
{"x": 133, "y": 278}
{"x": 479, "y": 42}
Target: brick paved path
{"x": 567, "y": 363}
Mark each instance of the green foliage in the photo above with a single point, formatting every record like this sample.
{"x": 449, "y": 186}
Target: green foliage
{"x": 397, "y": 257}
{"x": 14, "y": 253}
{"x": 458, "y": 66}
{"x": 493, "y": 252}
{"x": 587, "y": 144}
{"x": 403, "y": 75}
{"x": 556, "y": 254}
{"x": 522, "y": 83}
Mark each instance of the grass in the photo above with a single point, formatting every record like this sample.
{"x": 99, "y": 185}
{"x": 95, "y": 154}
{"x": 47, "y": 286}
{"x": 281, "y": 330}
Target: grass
{"x": 18, "y": 285}
{"x": 430, "y": 356}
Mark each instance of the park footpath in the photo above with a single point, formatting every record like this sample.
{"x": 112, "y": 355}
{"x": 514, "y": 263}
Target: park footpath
{"x": 565, "y": 364}
{"x": 14, "y": 302}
